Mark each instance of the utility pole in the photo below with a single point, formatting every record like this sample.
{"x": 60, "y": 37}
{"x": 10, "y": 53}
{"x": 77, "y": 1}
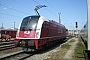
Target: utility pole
{"x": 2, "y": 25}
{"x": 14, "y": 25}
{"x": 59, "y": 17}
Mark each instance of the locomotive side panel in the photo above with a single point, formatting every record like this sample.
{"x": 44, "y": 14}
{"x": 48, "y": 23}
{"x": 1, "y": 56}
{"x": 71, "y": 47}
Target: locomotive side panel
{"x": 57, "y": 31}
{"x": 51, "y": 32}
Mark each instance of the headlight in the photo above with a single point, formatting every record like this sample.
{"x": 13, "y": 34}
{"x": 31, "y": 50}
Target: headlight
{"x": 37, "y": 34}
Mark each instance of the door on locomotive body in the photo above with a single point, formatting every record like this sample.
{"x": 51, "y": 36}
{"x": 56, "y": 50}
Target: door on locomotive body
{"x": 50, "y": 32}
{"x": 61, "y": 32}
{"x": 44, "y": 29}
{"x": 64, "y": 32}
{"x": 44, "y": 33}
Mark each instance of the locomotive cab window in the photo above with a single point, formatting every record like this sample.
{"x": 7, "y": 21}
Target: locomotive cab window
{"x": 29, "y": 23}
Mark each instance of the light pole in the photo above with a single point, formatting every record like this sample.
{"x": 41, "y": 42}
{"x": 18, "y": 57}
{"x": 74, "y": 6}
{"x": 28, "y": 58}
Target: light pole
{"x": 2, "y": 25}
{"x": 59, "y": 17}
{"x": 14, "y": 25}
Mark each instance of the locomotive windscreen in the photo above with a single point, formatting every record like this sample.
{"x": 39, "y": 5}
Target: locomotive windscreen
{"x": 29, "y": 23}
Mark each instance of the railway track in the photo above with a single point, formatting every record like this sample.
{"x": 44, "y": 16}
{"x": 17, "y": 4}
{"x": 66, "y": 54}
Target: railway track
{"x": 16, "y": 56}
{"x": 5, "y": 47}
{"x": 6, "y": 43}
{"x": 9, "y": 45}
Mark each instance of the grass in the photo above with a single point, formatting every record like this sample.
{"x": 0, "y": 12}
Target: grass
{"x": 78, "y": 54}
{"x": 71, "y": 41}
{"x": 65, "y": 46}
{"x": 59, "y": 54}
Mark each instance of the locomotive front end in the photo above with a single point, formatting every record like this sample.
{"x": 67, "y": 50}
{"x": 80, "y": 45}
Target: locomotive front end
{"x": 26, "y": 34}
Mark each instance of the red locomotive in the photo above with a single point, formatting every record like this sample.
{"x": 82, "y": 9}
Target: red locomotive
{"x": 37, "y": 31}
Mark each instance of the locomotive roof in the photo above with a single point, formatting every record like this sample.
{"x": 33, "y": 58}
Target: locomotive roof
{"x": 49, "y": 20}
{"x": 56, "y": 23}
{"x": 32, "y": 16}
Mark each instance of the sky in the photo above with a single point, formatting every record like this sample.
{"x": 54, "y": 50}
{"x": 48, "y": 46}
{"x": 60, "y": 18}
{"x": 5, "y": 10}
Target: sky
{"x": 71, "y": 11}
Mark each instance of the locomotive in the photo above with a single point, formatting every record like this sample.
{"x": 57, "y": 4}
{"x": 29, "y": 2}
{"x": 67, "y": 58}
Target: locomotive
{"x": 36, "y": 31}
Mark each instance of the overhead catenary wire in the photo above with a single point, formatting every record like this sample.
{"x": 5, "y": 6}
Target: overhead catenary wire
{"x": 14, "y": 9}
{"x": 55, "y": 10}
{"x": 51, "y": 5}
{"x": 51, "y": 12}
{"x": 36, "y": 2}
{"x": 9, "y": 15}
{"x": 21, "y": 4}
